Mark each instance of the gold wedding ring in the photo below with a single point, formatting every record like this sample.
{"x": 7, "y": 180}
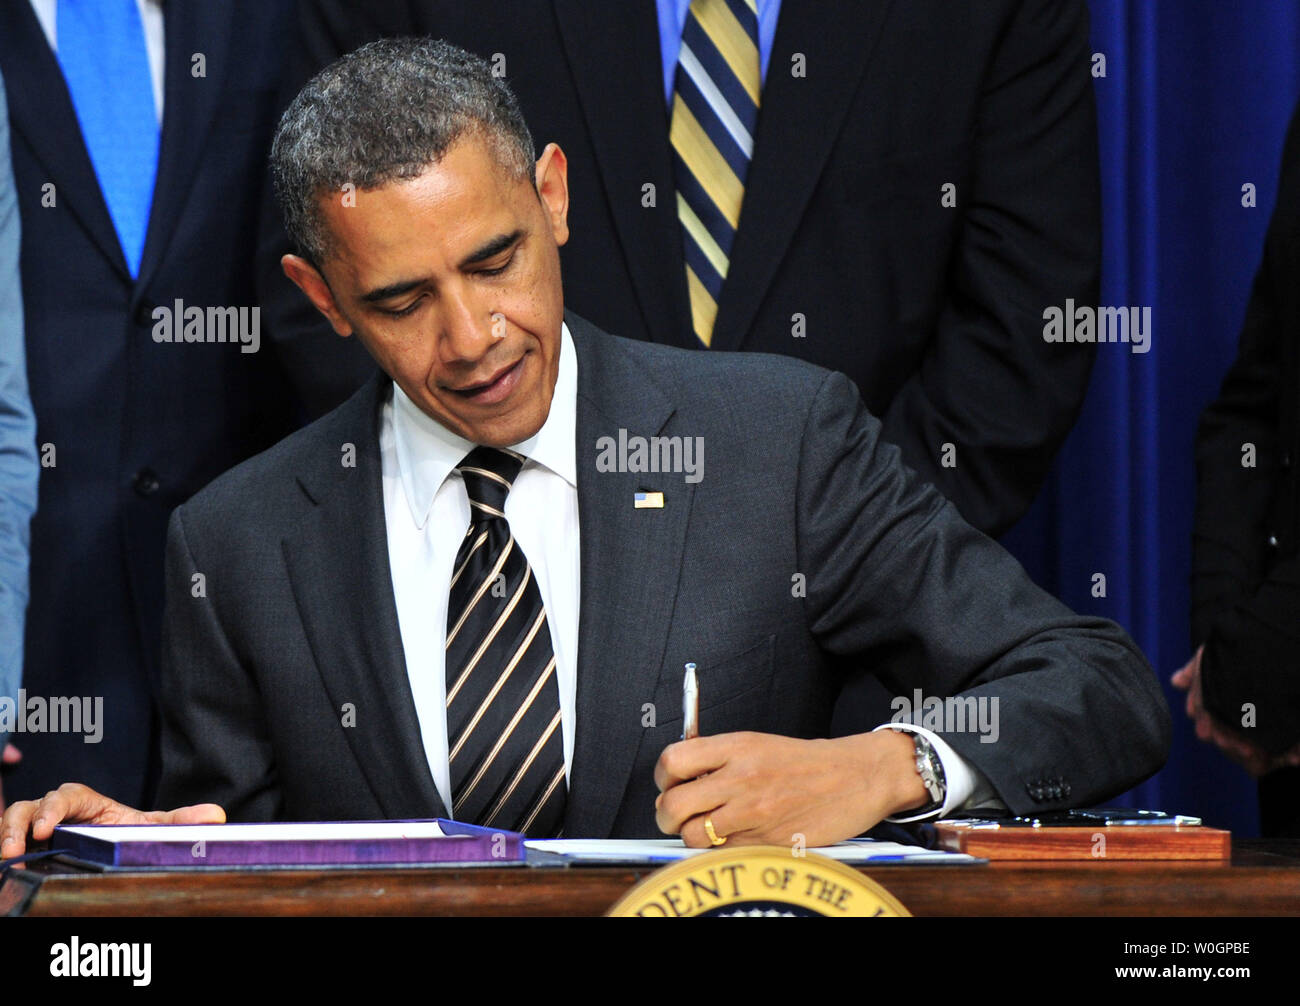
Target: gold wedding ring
{"x": 713, "y": 835}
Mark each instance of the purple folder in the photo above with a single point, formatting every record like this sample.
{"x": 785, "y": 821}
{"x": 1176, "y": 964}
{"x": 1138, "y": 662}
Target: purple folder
{"x": 432, "y": 842}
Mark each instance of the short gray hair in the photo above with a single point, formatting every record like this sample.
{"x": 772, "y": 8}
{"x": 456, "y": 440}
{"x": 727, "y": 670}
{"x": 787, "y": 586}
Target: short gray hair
{"x": 384, "y": 112}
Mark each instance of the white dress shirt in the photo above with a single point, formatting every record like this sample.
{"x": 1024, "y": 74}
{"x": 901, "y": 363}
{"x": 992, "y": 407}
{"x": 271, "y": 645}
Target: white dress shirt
{"x": 426, "y": 510}
{"x": 151, "y": 17}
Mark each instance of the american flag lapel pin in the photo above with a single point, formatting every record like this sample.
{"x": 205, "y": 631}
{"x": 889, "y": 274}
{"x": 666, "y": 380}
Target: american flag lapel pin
{"x": 648, "y": 501}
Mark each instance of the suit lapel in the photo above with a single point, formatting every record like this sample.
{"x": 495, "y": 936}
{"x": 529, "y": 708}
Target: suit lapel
{"x": 189, "y": 103}
{"x": 799, "y": 121}
{"x": 604, "y": 39}
{"x": 338, "y": 568}
{"x": 41, "y": 111}
{"x": 630, "y": 563}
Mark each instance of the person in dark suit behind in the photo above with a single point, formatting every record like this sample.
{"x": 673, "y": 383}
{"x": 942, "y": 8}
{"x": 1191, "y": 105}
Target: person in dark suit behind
{"x": 139, "y": 141}
{"x": 906, "y": 188}
{"x": 460, "y": 593}
{"x": 1243, "y": 681}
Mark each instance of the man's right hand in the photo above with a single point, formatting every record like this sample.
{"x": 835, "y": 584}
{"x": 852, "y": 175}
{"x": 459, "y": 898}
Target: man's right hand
{"x": 73, "y": 803}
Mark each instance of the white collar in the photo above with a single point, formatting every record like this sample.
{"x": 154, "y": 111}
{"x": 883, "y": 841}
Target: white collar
{"x": 427, "y": 452}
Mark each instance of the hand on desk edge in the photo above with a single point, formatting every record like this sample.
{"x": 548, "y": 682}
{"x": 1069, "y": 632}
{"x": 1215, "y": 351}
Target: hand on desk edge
{"x": 77, "y": 804}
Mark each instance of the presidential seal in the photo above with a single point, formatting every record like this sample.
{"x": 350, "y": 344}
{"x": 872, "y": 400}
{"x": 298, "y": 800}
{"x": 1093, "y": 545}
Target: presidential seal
{"x": 758, "y": 881}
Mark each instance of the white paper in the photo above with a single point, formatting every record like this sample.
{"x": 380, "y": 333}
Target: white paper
{"x": 863, "y": 850}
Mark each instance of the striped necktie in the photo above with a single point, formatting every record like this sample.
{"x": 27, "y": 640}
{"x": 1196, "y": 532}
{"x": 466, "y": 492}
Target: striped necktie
{"x": 715, "y": 108}
{"x": 504, "y": 737}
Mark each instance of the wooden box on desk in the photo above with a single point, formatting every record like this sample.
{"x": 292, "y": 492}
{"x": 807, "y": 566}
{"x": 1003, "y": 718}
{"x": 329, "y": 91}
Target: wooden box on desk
{"x": 1109, "y": 842}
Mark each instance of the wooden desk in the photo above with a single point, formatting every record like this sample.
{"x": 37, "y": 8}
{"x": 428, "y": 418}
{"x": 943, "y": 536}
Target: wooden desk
{"x": 1262, "y": 879}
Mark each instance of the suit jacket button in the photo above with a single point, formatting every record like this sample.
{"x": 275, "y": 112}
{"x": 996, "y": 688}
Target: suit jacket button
{"x": 145, "y": 482}
{"x": 1272, "y": 541}
{"x": 144, "y": 314}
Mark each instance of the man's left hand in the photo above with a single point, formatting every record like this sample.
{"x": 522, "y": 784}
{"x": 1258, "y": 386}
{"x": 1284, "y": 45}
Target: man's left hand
{"x": 767, "y": 789}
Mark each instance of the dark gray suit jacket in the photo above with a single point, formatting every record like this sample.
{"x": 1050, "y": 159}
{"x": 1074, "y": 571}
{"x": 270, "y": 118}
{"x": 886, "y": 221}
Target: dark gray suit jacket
{"x": 285, "y": 691}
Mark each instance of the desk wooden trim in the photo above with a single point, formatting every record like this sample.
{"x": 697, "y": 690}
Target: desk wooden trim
{"x": 1263, "y": 878}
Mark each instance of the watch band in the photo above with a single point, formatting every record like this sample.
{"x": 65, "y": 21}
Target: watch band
{"x": 930, "y": 769}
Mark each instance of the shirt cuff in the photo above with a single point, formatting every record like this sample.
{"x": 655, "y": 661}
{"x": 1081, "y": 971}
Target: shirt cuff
{"x": 966, "y": 786}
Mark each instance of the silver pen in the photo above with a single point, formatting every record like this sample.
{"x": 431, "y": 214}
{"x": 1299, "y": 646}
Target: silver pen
{"x": 690, "y": 704}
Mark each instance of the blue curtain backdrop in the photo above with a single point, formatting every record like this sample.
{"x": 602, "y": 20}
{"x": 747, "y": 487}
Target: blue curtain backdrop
{"x": 1194, "y": 105}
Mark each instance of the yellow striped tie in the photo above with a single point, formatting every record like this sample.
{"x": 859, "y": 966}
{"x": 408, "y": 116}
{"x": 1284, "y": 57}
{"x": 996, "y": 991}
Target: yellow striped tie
{"x": 715, "y": 109}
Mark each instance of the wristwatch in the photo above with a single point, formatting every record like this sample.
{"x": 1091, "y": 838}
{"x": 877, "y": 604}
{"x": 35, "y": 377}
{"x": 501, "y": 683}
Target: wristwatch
{"x": 930, "y": 769}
